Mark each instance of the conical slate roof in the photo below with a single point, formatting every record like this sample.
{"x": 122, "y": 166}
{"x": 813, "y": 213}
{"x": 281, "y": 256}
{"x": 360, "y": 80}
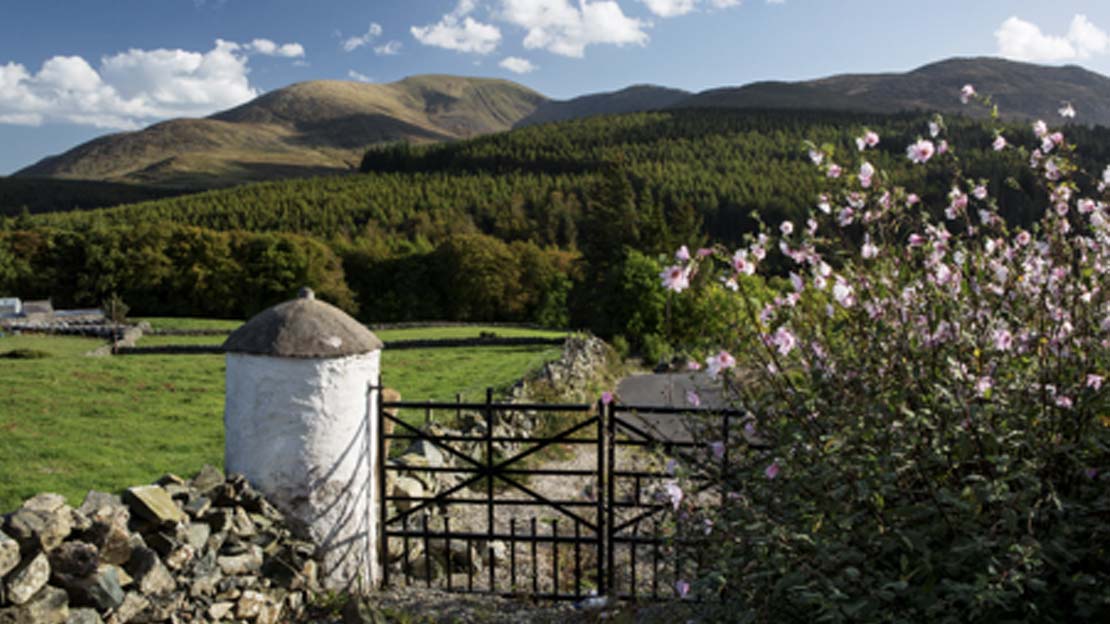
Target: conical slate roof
{"x": 303, "y": 328}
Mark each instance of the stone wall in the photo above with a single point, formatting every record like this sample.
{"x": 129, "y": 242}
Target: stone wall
{"x": 208, "y": 549}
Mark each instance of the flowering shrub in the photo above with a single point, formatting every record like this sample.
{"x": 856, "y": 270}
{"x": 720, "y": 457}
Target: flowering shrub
{"x": 931, "y": 383}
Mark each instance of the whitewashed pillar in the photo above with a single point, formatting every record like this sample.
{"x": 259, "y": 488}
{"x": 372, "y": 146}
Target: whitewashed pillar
{"x": 301, "y": 427}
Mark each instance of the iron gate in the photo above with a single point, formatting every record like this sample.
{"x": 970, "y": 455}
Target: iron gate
{"x": 499, "y": 535}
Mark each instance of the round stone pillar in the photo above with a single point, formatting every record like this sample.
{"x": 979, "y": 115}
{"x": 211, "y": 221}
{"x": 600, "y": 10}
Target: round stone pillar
{"x": 299, "y": 425}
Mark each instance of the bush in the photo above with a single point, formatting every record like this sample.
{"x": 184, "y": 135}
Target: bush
{"x": 932, "y": 387}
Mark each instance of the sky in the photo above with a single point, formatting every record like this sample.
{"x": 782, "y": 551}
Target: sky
{"x": 75, "y": 69}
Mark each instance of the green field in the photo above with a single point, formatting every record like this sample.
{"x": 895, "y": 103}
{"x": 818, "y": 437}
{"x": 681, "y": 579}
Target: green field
{"x": 69, "y": 422}
{"x": 413, "y": 333}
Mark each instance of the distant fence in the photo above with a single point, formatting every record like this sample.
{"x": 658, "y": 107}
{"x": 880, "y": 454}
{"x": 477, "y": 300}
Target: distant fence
{"x": 443, "y": 343}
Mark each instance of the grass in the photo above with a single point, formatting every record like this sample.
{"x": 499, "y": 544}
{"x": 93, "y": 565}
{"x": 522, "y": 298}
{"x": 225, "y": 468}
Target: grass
{"x": 415, "y": 333}
{"x": 69, "y": 422}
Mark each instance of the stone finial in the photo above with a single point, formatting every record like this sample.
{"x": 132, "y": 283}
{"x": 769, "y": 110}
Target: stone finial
{"x": 306, "y": 293}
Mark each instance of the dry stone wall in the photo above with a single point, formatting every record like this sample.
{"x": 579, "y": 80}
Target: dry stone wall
{"x": 209, "y": 549}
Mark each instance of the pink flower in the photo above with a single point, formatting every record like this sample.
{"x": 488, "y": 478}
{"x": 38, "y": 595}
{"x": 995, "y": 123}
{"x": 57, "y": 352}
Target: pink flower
{"x": 674, "y": 493}
{"x": 1063, "y": 402}
{"x": 983, "y": 386}
{"x": 834, "y": 170}
{"x": 682, "y": 588}
{"x": 980, "y": 192}
{"x": 1040, "y": 128}
{"x": 842, "y": 292}
{"x": 693, "y": 365}
{"x": 783, "y": 340}
{"x": 606, "y": 397}
{"x": 797, "y": 282}
{"x": 1067, "y": 111}
{"x": 866, "y": 171}
{"x": 772, "y": 471}
{"x": 912, "y": 199}
{"x": 934, "y": 129}
{"x": 704, "y": 252}
{"x": 683, "y": 254}
{"x": 1094, "y": 382}
{"x": 921, "y": 151}
{"x": 676, "y": 278}
{"x": 823, "y": 204}
{"x": 869, "y": 249}
{"x": 718, "y": 449}
{"x": 741, "y": 263}
{"x": 720, "y": 362}
{"x": 787, "y": 228}
{"x": 1086, "y": 206}
{"x": 816, "y": 156}
{"x": 1023, "y": 238}
{"x": 1002, "y": 339}
{"x": 869, "y": 139}
{"x": 693, "y": 399}
{"x": 942, "y": 147}
{"x": 999, "y": 143}
{"x": 966, "y": 93}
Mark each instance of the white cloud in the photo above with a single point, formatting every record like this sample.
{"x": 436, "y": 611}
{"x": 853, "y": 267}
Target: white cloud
{"x": 353, "y": 43}
{"x": 460, "y": 32}
{"x": 133, "y": 88}
{"x": 266, "y": 47}
{"x": 391, "y": 48}
{"x": 1024, "y": 41}
{"x": 673, "y": 8}
{"x": 517, "y": 65}
{"x": 561, "y": 28}
{"x": 354, "y": 75}
{"x": 670, "y": 8}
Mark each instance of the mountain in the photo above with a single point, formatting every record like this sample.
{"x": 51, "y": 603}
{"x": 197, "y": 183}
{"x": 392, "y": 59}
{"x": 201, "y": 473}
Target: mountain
{"x": 634, "y": 99}
{"x": 326, "y": 126}
{"x": 1021, "y": 90}
{"x": 304, "y": 129}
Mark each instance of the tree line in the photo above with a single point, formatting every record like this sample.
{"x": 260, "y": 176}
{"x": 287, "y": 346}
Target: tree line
{"x": 565, "y": 223}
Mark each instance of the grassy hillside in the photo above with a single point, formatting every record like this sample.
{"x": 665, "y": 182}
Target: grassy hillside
{"x": 305, "y": 129}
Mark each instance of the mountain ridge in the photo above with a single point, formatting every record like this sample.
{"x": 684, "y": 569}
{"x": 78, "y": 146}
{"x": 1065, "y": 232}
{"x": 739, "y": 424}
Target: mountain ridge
{"x": 325, "y": 126}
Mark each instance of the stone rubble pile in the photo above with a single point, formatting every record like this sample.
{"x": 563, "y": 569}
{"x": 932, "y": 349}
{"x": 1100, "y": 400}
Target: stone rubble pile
{"x": 209, "y": 549}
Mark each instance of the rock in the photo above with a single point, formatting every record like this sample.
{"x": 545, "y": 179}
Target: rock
{"x": 246, "y": 563}
{"x": 220, "y": 610}
{"x": 407, "y": 486}
{"x": 45, "y": 503}
{"x": 270, "y": 613}
{"x": 48, "y": 606}
{"x": 180, "y": 557}
{"x": 72, "y": 560}
{"x": 9, "y": 554}
{"x": 198, "y": 506}
{"x": 149, "y": 573}
{"x": 249, "y": 605}
{"x": 207, "y": 479}
{"x": 205, "y": 581}
{"x": 161, "y": 608}
{"x": 196, "y": 535}
{"x": 112, "y": 539}
{"x": 133, "y": 605}
{"x": 34, "y": 528}
{"x": 84, "y": 616}
{"x": 153, "y": 503}
{"x": 431, "y": 453}
{"x": 28, "y": 579}
{"x": 102, "y": 590}
{"x": 95, "y": 502}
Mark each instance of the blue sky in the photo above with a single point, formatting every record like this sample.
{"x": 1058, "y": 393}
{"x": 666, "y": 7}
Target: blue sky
{"x": 75, "y": 69}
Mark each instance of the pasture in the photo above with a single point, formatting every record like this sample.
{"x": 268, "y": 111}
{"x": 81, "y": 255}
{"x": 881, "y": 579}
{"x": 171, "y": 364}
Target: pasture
{"x": 69, "y": 422}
